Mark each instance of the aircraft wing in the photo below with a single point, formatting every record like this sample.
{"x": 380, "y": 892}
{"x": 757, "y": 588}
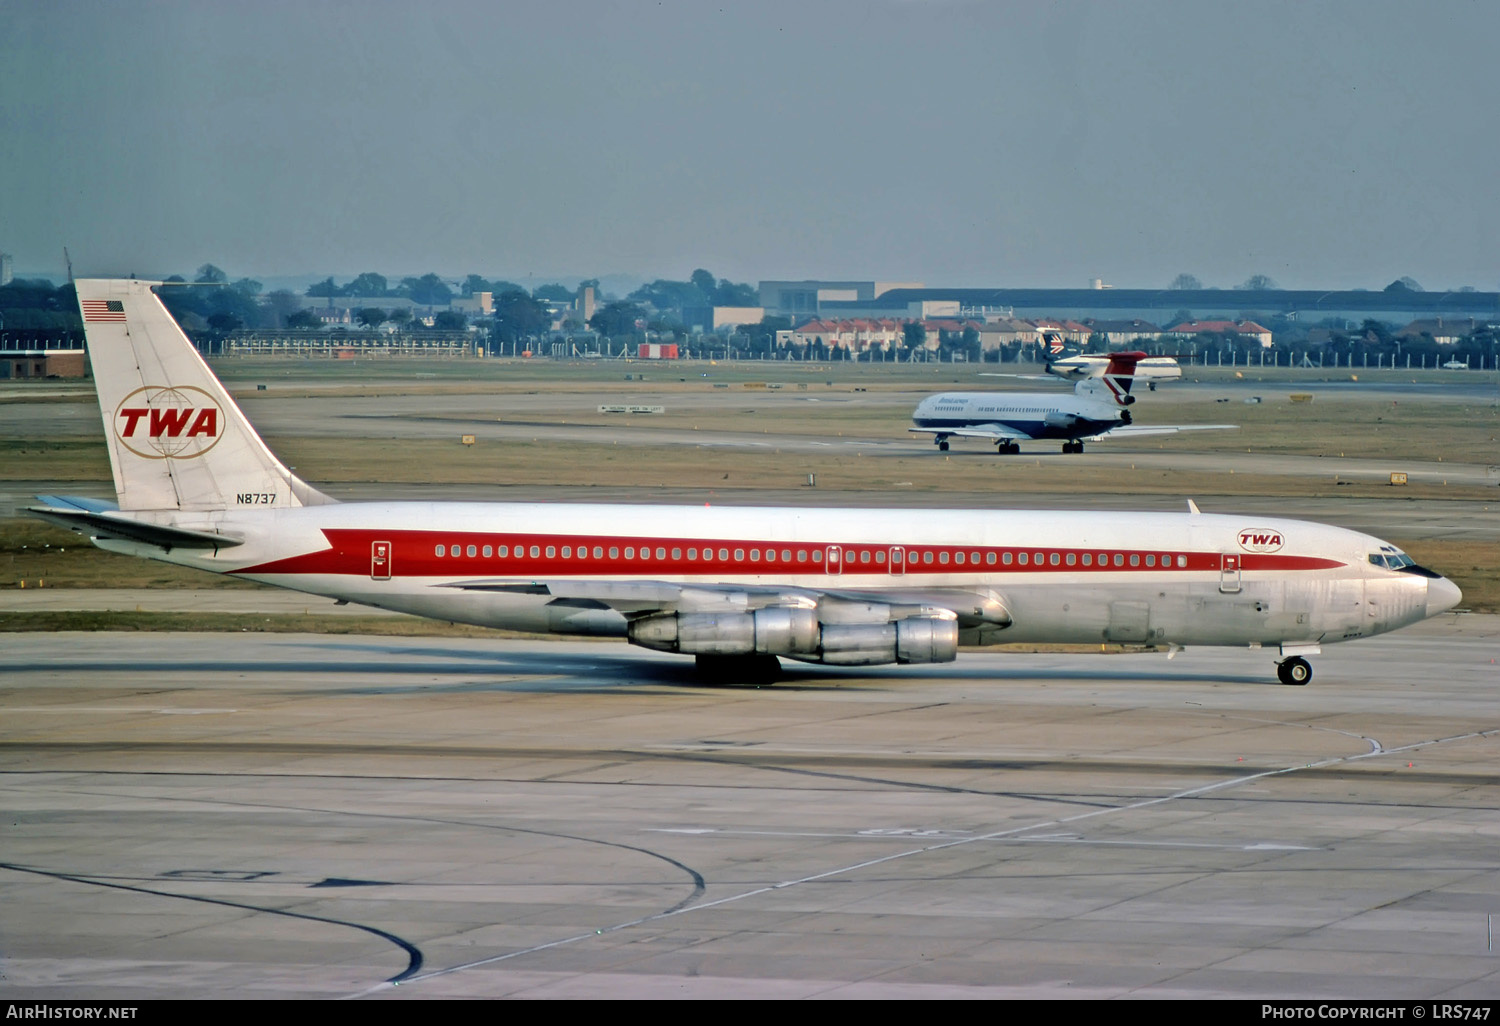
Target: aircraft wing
{"x": 981, "y": 607}
{"x": 977, "y": 431}
{"x": 1136, "y": 430}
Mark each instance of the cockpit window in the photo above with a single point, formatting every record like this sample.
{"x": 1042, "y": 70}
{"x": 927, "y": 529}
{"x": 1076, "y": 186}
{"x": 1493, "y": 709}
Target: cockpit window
{"x": 1392, "y": 558}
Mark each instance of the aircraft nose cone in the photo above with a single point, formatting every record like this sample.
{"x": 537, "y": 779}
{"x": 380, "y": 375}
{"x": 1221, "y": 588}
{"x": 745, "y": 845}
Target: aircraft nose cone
{"x": 1442, "y": 595}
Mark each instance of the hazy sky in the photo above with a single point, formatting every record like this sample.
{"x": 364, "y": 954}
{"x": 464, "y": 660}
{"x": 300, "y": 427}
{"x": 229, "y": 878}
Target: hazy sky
{"x": 1338, "y": 144}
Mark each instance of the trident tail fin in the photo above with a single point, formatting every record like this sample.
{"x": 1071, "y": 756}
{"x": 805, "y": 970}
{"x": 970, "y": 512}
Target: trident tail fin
{"x": 1114, "y": 384}
{"x": 176, "y": 439}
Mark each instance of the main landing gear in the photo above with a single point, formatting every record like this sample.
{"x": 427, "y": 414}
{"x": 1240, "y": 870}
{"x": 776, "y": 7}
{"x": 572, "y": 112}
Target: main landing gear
{"x": 744, "y": 671}
{"x": 1006, "y": 447}
{"x": 1076, "y": 445}
{"x": 1296, "y": 670}
{"x": 942, "y": 444}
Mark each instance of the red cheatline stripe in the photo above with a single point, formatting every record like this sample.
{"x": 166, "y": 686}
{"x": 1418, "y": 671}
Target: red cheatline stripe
{"x": 414, "y": 554}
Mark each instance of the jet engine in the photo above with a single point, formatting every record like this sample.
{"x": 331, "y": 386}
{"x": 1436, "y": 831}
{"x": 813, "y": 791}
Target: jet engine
{"x": 931, "y": 636}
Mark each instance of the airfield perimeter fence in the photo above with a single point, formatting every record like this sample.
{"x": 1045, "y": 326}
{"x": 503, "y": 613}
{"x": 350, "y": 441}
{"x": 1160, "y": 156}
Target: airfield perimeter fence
{"x": 1361, "y": 360}
{"x": 346, "y": 346}
{"x": 349, "y": 345}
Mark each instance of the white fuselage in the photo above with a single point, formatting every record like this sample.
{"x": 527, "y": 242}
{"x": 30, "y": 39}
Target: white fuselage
{"x": 1151, "y": 370}
{"x": 1030, "y": 414}
{"x": 1066, "y": 577}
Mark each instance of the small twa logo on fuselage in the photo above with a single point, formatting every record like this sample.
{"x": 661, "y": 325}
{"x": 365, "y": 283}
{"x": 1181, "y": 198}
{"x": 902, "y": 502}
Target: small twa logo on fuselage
{"x": 1260, "y": 539}
{"x": 176, "y": 423}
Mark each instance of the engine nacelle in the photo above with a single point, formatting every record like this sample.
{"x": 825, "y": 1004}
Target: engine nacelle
{"x": 798, "y": 634}
{"x": 916, "y": 639}
{"x": 1058, "y": 419}
{"x": 779, "y": 630}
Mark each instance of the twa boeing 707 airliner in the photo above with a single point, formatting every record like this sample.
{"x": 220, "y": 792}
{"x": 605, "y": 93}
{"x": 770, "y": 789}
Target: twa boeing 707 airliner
{"x": 735, "y": 587}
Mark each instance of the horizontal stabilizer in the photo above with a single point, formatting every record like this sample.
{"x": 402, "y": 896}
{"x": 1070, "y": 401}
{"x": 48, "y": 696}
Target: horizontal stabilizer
{"x": 99, "y": 519}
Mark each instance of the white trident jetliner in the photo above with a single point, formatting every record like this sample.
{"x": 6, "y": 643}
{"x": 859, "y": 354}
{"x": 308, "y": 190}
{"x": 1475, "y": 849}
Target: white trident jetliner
{"x": 1078, "y": 365}
{"x": 1097, "y": 406}
{"x": 734, "y": 587}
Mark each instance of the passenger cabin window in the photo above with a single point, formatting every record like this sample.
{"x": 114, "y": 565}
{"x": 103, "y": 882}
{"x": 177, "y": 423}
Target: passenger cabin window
{"x": 440, "y": 550}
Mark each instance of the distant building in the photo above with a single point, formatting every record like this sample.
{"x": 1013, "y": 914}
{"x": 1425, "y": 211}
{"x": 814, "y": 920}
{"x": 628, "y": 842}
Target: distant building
{"x": 480, "y": 304}
{"x": 717, "y": 318}
{"x": 1187, "y": 329}
{"x": 1123, "y": 333}
{"x": 585, "y": 304}
{"x": 1006, "y": 331}
{"x": 1445, "y": 331}
{"x": 855, "y": 335}
{"x": 806, "y": 298}
{"x": 41, "y": 363}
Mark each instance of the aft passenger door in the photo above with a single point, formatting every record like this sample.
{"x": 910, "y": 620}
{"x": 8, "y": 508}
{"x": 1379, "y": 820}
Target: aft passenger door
{"x": 898, "y": 559}
{"x": 1229, "y": 573}
{"x": 380, "y": 561}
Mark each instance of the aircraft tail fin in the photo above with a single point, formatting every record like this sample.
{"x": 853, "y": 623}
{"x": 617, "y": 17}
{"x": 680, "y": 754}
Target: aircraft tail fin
{"x": 1115, "y": 383}
{"x": 1054, "y": 347}
{"x": 176, "y": 439}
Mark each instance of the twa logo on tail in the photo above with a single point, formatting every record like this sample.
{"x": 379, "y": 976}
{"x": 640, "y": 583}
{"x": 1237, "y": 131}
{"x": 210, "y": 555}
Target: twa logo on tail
{"x": 169, "y": 423}
{"x": 1260, "y": 540}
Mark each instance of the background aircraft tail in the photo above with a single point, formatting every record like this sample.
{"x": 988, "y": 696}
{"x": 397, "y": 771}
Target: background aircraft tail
{"x": 176, "y": 439}
{"x": 1055, "y": 347}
